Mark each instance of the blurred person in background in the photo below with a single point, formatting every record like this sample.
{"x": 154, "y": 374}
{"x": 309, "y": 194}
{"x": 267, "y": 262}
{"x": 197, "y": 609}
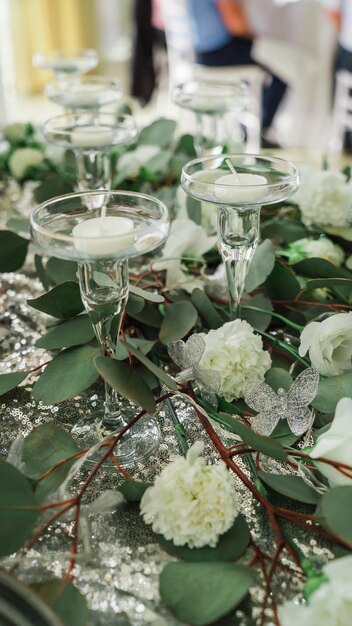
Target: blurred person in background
{"x": 222, "y": 37}
{"x": 340, "y": 12}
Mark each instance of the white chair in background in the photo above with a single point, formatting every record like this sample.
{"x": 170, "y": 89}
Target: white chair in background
{"x": 342, "y": 111}
{"x": 182, "y": 67}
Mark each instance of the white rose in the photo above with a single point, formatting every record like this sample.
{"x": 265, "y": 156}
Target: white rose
{"x": 186, "y": 240}
{"x": 329, "y": 344}
{"x": 329, "y": 605}
{"x": 322, "y": 248}
{"x": 325, "y": 198}
{"x": 22, "y": 159}
{"x": 191, "y": 502}
{"x": 236, "y": 353}
{"x": 336, "y": 444}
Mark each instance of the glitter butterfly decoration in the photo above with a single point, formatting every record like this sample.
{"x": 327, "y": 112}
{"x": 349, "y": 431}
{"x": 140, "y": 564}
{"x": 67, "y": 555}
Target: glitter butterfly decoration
{"x": 291, "y": 405}
{"x": 187, "y": 356}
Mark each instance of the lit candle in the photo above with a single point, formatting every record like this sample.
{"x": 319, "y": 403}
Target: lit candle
{"x": 91, "y": 136}
{"x": 103, "y": 236}
{"x": 241, "y": 188}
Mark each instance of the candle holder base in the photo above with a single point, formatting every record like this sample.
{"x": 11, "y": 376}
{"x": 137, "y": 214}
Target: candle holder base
{"x": 138, "y": 443}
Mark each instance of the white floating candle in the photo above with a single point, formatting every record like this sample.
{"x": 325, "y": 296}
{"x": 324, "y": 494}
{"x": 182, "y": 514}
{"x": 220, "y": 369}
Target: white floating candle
{"x": 241, "y": 188}
{"x": 103, "y": 236}
{"x": 91, "y": 137}
{"x": 85, "y": 95}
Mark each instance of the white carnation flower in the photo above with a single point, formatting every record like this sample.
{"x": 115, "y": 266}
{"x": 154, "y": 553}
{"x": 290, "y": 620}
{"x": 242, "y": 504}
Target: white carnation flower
{"x": 325, "y": 198}
{"x": 330, "y": 604}
{"x": 22, "y": 159}
{"x": 329, "y": 344}
{"x": 191, "y": 502}
{"x": 189, "y": 240}
{"x": 236, "y": 353}
{"x": 322, "y": 248}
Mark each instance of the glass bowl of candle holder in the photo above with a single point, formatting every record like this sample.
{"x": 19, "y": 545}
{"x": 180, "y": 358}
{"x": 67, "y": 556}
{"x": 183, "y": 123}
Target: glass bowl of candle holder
{"x": 82, "y": 93}
{"x": 239, "y": 185}
{"x": 91, "y": 138}
{"x": 211, "y": 102}
{"x": 63, "y": 63}
{"x": 101, "y": 241}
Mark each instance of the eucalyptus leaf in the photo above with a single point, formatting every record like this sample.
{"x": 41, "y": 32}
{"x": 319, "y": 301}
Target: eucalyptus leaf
{"x": 11, "y": 380}
{"x": 65, "y": 600}
{"x": 67, "y": 375}
{"x": 17, "y": 509}
{"x": 52, "y": 186}
{"x": 186, "y": 145}
{"x": 133, "y": 490}
{"x": 135, "y": 304}
{"x": 331, "y": 390}
{"x": 179, "y": 319}
{"x": 13, "y": 251}
{"x": 41, "y": 272}
{"x": 146, "y": 295}
{"x": 209, "y": 315}
{"x": 258, "y": 319}
{"x": 200, "y": 593}
{"x": 336, "y": 507}
{"x": 160, "y": 133}
{"x": 62, "y": 301}
{"x": 123, "y": 378}
{"x": 261, "y": 265}
{"x": 284, "y": 230}
{"x": 291, "y": 487}
{"x": 230, "y": 547}
{"x": 282, "y": 283}
{"x": 265, "y": 445}
{"x": 61, "y": 271}
{"x": 149, "y": 315}
{"x": 278, "y": 378}
{"x": 45, "y": 446}
{"x": 157, "y": 371}
{"x": 74, "y": 332}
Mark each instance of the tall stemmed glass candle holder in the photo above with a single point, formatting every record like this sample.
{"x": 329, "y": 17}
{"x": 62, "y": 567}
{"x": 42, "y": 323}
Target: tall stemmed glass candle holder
{"x": 91, "y": 140}
{"x": 210, "y": 102}
{"x": 239, "y": 185}
{"x": 101, "y": 241}
{"x": 84, "y": 93}
{"x": 63, "y": 63}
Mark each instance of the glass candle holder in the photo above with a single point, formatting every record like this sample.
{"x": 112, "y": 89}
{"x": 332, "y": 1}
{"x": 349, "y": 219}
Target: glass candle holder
{"x": 101, "y": 241}
{"x": 83, "y": 93}
{"x": 239, "y": 185}
{"x": 210, "y": 102}
{"x": 63, "y": 64}
{"x": 91, "y": 139}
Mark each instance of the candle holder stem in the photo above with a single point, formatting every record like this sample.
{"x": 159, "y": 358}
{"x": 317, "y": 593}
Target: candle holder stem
{"x": 104, "y": 291}
{"x": 238, "y": 232}
{"x": 207, "y": 140}
{"x": 94, "y": 169}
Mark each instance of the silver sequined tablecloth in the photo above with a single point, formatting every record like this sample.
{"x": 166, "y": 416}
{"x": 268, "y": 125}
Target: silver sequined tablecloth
{"x": 118, "y": 568}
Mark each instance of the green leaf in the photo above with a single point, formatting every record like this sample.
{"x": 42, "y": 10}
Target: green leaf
{"x": 328, "y": 283}
{"x": 65, "y": 600}
{"x": 132, "y": 490}
{"x": 74, "y": 332}
{"x": 41, "y": 273}
{"x": 336, "y": 506}
{"x": 282, "y": 283}
{"x": 149, "y": 315}
{"x": 179, "y": 319}
{"x": 194, "y": 209}
{"x": 230, "y": 547}
{"x": 13, "y": 251}
{"x": 209, "y": 315}
{"x": 9, "y": 381}
{"x": 19, "y": 224}
{"x": 53, "y": 186}
{"x": 63, "y": 301}
{"x": 146, "y": 295}
{"x": 67, "y": 375}
{"x": 45, "y": 446}
{"x": 261, "y": 265}
{"x": 278, "y": 378}
{"x": 331, "y": 390}
{"x": 159, "y": 373}
{"x": 61, "y": 271}
{"x": 291, "y": 487}
{"x": 16, "y": 523}
{"x": 320, "y": 268}
{"x": 186, "y": 145}
{"x": 124, "y": 379}
{"x": 158, "y": 133}
{"x": 135, "y": 304}
{"x": 201, "y": 593}
{"x": 258, "y": 319}
{"x": 283, "y": 229}
{"x": 265, "y": 445}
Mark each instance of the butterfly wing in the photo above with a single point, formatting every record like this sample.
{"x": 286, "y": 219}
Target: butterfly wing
{"x": 208, "y": 378}
{"x": 176, "y": 351}
{"x": 299, "y": 420}
{"x": 261, "y": 398}
{"x": 304, "y": 389}
{"x": 265, "y": 423}
{"x": 194, "y": 349}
